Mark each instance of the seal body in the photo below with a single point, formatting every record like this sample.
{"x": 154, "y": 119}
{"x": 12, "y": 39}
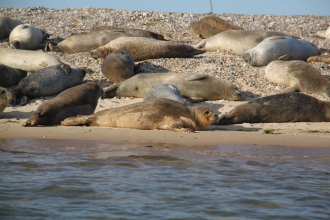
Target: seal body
{"x": 210, "y": 25}
{"x": 166, "y": 91}
{"x": 7, "y": 24}
{"x": 77, "y": 100}
{"x": 195, "y": 87}
{"x": 325, "y": 58}
{"x": 27, "y": 37}
{"x": 85, "y": 42}
{"x": 5, "y": 98}
{"x": 297, "y": 75}
{"x": 280, "y": 108}
{"x": 280, "y": 48}
{"x": 48, "y": 81}
{"x": 142, "y": 48}
{"x": 10, "y": 76}
{"x": 118, "y": 67}
{"x": 236, "y": 41}
{"x": 27, "y": 60}
{"x": 162, "y": 114}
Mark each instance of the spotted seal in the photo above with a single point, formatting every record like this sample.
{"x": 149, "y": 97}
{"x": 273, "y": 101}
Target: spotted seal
{"x": 297, "y": 75}
{"x": 161, "y": 114}
{"x": 280, "y": 108}
{"x": 77, "y": 100}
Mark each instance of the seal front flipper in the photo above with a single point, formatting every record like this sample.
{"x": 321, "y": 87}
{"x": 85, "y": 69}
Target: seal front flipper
{"x": 79, "y": 120}
{"x": 110, "y": 92}
{"x": 196, "y": 77}
{"x": 284, "y": 57}
{"x": 66, "y": 68}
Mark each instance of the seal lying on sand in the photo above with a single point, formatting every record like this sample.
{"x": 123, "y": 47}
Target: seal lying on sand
{"x": 5, "y": 98}
{"x": 27, "y": 60}
{"x": 325, "y": 58}
{"x": 280, "y": 48}
{"x": 195, "y": 87}
{"x": 10, "y": 76}
{"x": 118, "y": 67}
{"x": 27, "y": 37}
{"x": 210, "y": 25}
{"x": 166, "y": 91}
{"x": 7, "y": 24}
{"x": 48, "y": 81}
{"x": 324, "y": 34}
{"x": 297, "y": 75}
{"x": 142, "y": 48}
{"x": 161, "y": 114}
{"x": 236, "y": 41}
{"x": 286, "y": 107}
{"x": 77, "y": 100}
{"x": 85, "y": 42}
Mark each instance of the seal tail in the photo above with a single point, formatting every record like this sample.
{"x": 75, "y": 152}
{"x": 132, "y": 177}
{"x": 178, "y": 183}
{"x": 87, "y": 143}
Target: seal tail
{"x": 76, "y": 121}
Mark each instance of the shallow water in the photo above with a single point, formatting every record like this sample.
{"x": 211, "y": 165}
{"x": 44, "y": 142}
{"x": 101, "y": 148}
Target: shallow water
{"x": 47, "y": 179}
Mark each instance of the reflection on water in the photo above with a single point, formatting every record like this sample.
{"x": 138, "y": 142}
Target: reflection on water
{"x": 89, "y": 180}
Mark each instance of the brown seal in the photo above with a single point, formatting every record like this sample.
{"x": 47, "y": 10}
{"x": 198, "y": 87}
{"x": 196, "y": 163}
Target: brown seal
{"x": 7, "y": 24}
{"x": 325, "y": 58}
{"x": 297, "y": 75}
{"x": 5, "y": 98}
{"x": 280, "y": 108}
{"x": 10, "y": 76}
{"x": 162, "y": 114}
{"x": 195, "y": 87}
{"x": 118, "y": 67}
{"x": 77, "y": 100}
{"x": 210, "y": 25}
{"x": 142, "y": 48}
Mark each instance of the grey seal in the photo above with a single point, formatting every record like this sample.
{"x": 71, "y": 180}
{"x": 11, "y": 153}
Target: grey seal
{"x": 10, "y": 76}
{"x": 77, "y": 100}
{"x": 166, "y": 91}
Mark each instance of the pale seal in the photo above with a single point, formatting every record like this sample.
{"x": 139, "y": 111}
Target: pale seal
{"x": 324, "y": 34}
{"x": 166, "y": 91}
{"x": 210, "y": 25}
{"x": 27, "y": 37}
{"x": 280, "y": 108}
{"x": 118, "y": 67}
{"x": 195, "y": 87}
{"x": 325, "y": 58}
{"x": 46, "y": 82}
{"x": 236, "y": 41}
{"x": 142, "y": 48}
{"x": 27, "y": 60}
{"x": 77, "y": 100}
{"x": 297, "y": 75}
{"x": 280, "y": 48}
{"x": 7, "y": 24}
{"x": 161, "y": 114}
{"x": 10, "y": 76}
{"x": 85, "y": 42}
{"x": 5, "y": 98}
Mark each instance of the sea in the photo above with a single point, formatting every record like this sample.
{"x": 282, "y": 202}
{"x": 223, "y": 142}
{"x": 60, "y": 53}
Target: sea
{"x": 59, "y": 179}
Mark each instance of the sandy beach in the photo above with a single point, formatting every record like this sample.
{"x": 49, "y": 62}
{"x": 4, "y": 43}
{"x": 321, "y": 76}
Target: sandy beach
{"x": 222, "y": 65}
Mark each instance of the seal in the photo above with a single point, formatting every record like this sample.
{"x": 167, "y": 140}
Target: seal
{"x": 297, "y": 75}
{"x": 7, "y": 24}
{"x": 280, "y": 108}
{"x": 27, "y": 37}
{"x": 142, "y": 48}
{"x": 196, "y": 87}
{"x": 236, "y": 41}
{"x": 85, "y": 42}
{"x": 118, "y": 67}
{"x": 324, "y": 34}
{"x": 5, "y": 98}
{"x": 27, "y": 60}
{"x": 166, "y": 91}
{"x": 46, "y": 82}
{"x": 210, "y": 25}
{"x": 161, "y": 114}
{"x": 325, "y": 58}
{"x": 10, "y": 76}
{"x": 77, "y": 100}
{"x": 280, "y": 48}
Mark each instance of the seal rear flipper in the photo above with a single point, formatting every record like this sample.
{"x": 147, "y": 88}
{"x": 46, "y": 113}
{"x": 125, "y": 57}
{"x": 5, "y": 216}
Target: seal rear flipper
{"x": 52, "y": 46}
{"x": 200, "y": 45}
{"x": 110, "y": 92}
{"x": 224, "y": 120}
{"x": 15, "y": 44}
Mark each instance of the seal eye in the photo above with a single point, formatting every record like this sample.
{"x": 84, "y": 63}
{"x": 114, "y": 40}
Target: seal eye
{"x": 206, "y": 112}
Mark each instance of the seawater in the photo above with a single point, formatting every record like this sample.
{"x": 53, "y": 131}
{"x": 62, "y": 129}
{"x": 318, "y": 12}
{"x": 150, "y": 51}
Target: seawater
{"x": 48, "y": 179}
